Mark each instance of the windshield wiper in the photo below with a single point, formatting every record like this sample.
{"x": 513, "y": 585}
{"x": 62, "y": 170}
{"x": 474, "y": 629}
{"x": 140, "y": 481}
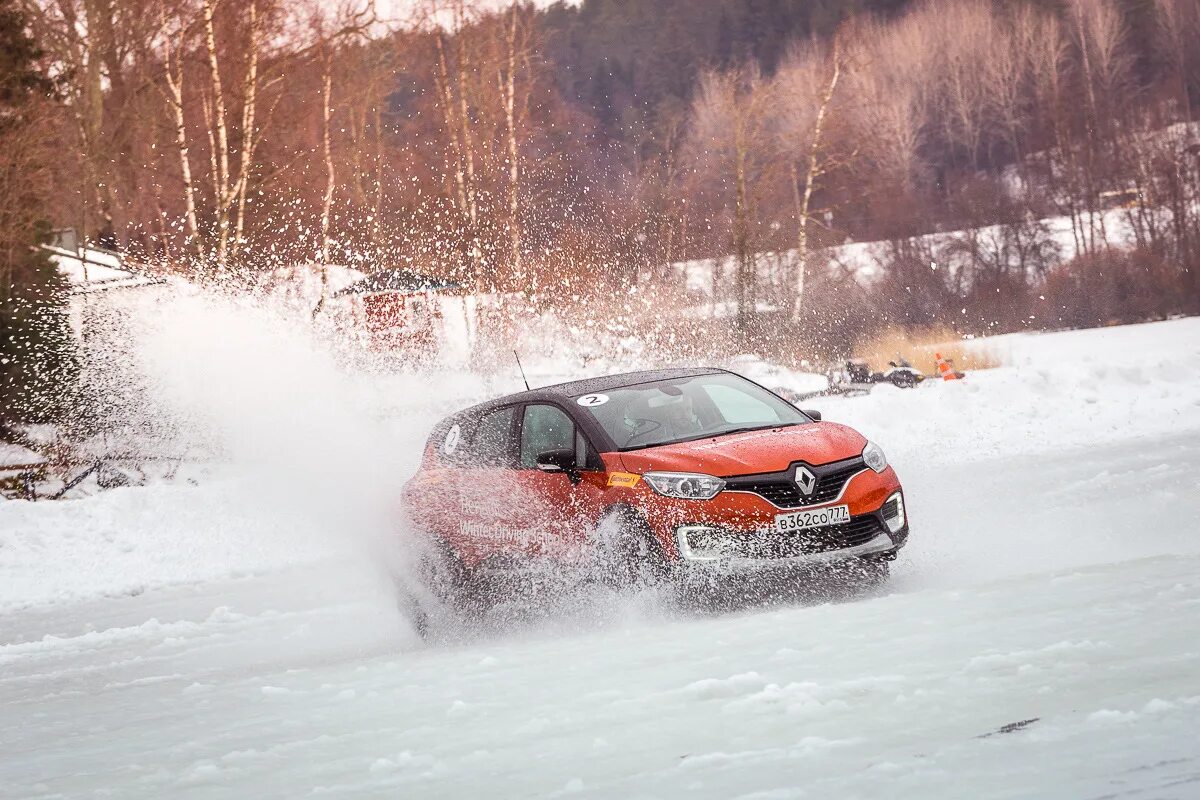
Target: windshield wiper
{"x": 713, "y": 435}
{"x": 746, "y": 429}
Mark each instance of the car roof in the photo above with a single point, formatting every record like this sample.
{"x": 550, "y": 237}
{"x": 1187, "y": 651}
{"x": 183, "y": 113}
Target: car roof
{"x": 570, "y": 389}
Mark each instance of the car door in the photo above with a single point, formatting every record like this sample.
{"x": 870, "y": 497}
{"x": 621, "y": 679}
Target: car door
{"x": 556, "y": 511}
{"x": 485, "y": 486}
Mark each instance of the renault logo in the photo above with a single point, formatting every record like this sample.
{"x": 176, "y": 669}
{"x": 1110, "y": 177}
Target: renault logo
{"x": 805, "y": 480}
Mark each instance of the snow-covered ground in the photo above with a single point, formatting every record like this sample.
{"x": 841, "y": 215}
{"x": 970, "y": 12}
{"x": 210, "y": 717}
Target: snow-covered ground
{"x": 236, "y": 637}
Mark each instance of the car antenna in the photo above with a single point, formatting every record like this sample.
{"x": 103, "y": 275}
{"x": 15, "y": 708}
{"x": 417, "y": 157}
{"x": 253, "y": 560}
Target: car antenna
{"x": 518, "y": 358}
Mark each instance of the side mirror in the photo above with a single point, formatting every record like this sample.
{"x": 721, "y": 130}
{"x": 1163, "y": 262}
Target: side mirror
{"x": 562, "y": 460}
{"x": 812, "y": 412}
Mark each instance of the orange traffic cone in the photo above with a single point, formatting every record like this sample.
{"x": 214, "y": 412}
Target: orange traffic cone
{"x": 947, "y": 373}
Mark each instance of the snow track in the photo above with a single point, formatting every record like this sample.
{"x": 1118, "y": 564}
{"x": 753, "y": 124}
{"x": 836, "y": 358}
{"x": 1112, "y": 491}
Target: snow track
{"x": 1041, "y": 636}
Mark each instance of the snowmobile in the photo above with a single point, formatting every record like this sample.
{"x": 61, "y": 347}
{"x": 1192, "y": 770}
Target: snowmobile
{"x": 903, "y": 375}
{"x": 858, "y": 376}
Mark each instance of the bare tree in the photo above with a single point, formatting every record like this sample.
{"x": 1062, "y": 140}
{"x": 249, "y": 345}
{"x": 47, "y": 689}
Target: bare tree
{"x": 219, "y": 133}
{"x": 1006, "y": 78}
{"x": 369, "y": 70}
{"x": 326, "y": 61}
{"x": 453, "y": 67}
{"x": 80, "y": 34}
{"x": 1179, "y": 34}
{"x": 250, "y": 133}
{"x": 231, "y": 181}
{"x": 514, "y": 52}
{"x": 888, "y": 117}
{"x": 347, "y": 21}
{"x": 176, "y": 44}
{"x": 805, "y": 87}
{"x": 1098, "y": 33}
{"x": 965, "y": 31}
{"x": 731, "y": 137}
{"x": 1048, "y": 59}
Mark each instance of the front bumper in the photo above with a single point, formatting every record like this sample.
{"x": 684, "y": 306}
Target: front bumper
{"x": 879, "y": 545}
{"x": 865, "y": 536}
{"x": 746, "y": 514}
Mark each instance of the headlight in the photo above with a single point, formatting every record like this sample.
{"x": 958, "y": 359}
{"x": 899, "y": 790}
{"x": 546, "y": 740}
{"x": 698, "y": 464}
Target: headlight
{"x": 685, "y": 485}
{"x": 893, "y": 512}
{"x": 873, "y": 455}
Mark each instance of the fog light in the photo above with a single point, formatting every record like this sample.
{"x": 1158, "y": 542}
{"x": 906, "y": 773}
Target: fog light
{"x": 893, "y": 513}
{"x": 699, "y": 542}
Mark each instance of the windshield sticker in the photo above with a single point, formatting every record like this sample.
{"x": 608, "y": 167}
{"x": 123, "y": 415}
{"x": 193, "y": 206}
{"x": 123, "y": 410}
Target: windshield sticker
{"x": 592, "y": 400}
{"x": 450, "y": 443}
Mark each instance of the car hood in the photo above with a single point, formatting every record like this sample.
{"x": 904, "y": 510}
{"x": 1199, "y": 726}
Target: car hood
{"x": 767, "y": 450}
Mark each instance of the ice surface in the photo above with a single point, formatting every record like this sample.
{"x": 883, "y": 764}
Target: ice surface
{"x": 1040, "y": 637}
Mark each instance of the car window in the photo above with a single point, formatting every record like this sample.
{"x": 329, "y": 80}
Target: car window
{"x": 450, "y": 439}
{"x": 682, "y": 409}
{"x": 544, "y": 428}
{"x": 738, "y": 407}
{"x": 492, "y": 444}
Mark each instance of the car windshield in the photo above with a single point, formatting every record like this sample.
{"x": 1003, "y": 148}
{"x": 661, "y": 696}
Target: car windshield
{"x": 681, "y": 409}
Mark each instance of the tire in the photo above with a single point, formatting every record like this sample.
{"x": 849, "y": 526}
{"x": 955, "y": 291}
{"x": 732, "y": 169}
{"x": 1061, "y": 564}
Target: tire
{"x": 442, "y": 572}
{"x": 630, "y": 557}
{"x": 411, "y": 606}
{"x": 434, "y": 593}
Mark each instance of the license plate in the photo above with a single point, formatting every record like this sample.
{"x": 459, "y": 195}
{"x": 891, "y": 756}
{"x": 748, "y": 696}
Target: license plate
{"x": 814, "y": 518}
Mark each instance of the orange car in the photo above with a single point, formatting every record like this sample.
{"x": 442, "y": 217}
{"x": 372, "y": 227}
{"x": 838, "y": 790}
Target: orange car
{"x": 648, "y": 475}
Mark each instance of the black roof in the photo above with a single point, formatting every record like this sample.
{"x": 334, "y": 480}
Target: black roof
{"x": 398, "y": 280}
{"x": 606, "y": 383}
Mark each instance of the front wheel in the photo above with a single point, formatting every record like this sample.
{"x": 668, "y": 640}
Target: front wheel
{"x": 629, "y": 555}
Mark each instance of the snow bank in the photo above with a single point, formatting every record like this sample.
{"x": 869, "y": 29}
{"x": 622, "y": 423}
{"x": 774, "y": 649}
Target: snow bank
{"x": 96, "y": 271}
{"x": 1058, "y": 391}
{"x": 129, "y": 540}
{"x": 14, "y": 455}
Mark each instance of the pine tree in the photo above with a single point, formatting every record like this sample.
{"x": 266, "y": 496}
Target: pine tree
{"x": 36, "y": 363}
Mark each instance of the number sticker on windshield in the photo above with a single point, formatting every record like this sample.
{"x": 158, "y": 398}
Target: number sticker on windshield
{"x": 592, "y": 400}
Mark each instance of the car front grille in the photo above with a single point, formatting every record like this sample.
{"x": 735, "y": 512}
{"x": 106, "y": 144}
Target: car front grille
{"x": 780, "y": 487}
{"x": 769, "y": 544}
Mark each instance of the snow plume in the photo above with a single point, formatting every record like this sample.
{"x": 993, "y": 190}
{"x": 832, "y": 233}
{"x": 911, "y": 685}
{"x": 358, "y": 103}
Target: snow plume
{"x": 291, "y": 443}
{"x": 259, "y": 385}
